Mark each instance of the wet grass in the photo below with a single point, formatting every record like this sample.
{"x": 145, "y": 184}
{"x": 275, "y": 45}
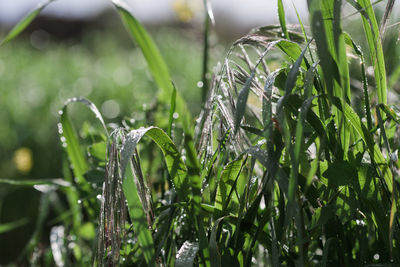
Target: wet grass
{"x": 281, "y": 166}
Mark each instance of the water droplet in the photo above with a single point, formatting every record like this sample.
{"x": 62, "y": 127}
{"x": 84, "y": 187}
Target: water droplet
{"x": 60, "y": 128}
{"x": 200, "y": 84}
{"x": 79, "y": 201}
{"x": 60, "y": 112}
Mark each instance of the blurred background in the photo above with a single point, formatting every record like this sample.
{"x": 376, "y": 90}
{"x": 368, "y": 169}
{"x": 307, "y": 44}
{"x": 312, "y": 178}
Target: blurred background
{"x": 80, "y": 48}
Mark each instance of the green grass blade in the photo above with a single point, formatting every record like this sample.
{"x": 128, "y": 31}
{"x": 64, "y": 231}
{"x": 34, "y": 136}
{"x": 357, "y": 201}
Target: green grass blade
{"x": 149, "y": 49}
{"x": 172, "y": 111}
{"x": 208, "y": 18}
{"x": 244, "y": 92}
{"x": 73, "y": 148}
{"x": 176, "y": 167}
{"x": 57, "y": 182}
{"x": 371, "y": 30}
{"x": 227, "y": 184}
{"x": 295, "y": 70}
{"x": 155, "y": 61}
{"x": 17, "y": 29}
{"x": 359, "y": 52}
{"x": 6, "y": 227}
{"x": 282, "y": 19}
{"x": 138, "y": 216}
{"x": 373, "y": 148}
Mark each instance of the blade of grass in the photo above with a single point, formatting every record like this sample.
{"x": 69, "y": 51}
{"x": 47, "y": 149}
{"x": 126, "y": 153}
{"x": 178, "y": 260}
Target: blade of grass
{"x": 176, "y": 167}
{"x": 6, "y": 227}
{"x": 57, "y": 181}
{"x": 22, "y": 24}
{"x": 138, "y": 215}
{"x": 282, "y": 19}
{"x": 209, "y": 17}
{"x": 155, "y": 61}
{"x": 72, "y": 146}
{"x": 172, "y": 111}
{"x": 388, "y": 11}
{"x": 371, "y": 30}
{"x": 244, "y": 92}
{"x": 373, "y": 149}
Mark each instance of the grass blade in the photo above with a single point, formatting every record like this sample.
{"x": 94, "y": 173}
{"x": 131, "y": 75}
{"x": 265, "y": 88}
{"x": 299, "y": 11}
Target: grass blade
{"x": 294, "y": 71}
{"x": 58, "y": 182}
{"x": 282, "y": 20}
{"x": 149, "y": 49}
{"x": 375, "y": 49}
{"x": 155, "y": 61}
{"x": 172, "y": 111}
{"x": 227, "y": 184}
{"x": 176, "y": 167}
{"x": 6, "y": 227}
{"x": 244, "y": 92}
{"x": 72, "y": 146}
{"x": 138, "y": 216}
{"x": 388, "y": 11}
{"x": 373, "y": 148}
{"x": 22, "y": 24}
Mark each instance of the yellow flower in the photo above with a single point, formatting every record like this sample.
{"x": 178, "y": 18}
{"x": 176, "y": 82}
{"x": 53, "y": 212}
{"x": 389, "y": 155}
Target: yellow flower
{"x": 23, "y": 160}
{"x": 183, "y": 10}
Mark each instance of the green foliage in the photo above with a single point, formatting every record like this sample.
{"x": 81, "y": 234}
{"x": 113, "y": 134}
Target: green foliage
{"x": 284, "y": 171}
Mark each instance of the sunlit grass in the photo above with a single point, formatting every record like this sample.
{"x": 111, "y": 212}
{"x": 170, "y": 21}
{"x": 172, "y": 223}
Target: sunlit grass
{"x": 281, "y": 167}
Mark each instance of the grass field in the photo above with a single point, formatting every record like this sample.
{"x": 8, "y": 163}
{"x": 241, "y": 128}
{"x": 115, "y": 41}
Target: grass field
{"x": 292, "y": 159}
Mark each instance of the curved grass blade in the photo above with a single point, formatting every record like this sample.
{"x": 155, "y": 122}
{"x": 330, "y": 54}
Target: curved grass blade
{"x": 282, "y": 20}
{"x": 22, "y": 24}
{"x": 244, "y": 92}
{"x": 155, "y": 61}
{"x": 58, "y": 182}
{"x": 6, "y": 227}
{"x": 150, "y": 51}
{"x": 176, "y": 167}
{"x": 74, "y": 150}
